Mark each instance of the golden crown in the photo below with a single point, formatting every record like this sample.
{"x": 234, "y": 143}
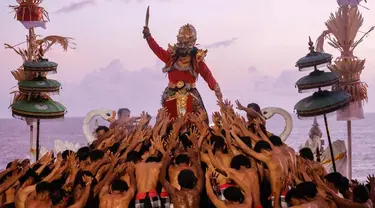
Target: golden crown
{"x": 187, "y": 33}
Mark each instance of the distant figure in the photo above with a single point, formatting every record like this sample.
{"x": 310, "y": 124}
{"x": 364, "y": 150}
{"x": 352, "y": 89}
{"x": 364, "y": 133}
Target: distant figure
{"x": 123, "y": 116}
{"x": 101, "y": 130}
{"x": 123, "y": 113}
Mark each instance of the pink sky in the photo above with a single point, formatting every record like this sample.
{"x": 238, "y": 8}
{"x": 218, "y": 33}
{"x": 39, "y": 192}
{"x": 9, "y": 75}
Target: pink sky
{"x": 269, "y": 35}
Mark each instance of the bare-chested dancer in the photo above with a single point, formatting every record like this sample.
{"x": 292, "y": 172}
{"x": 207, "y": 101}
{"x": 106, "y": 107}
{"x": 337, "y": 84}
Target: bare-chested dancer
{"x": 120, "y": 194}
{"x": 147, "y": 176}
{"x": 308, "y": 156}
{"x": 220, "y": 152}
{"x": 181, "y": 162}
{"x": 41, "y": 199}
{"x": 275, "y": 169}
{"x": 234, "y": 196}
{"x": 240, "y": 168}
{"x": 191, "y": 185}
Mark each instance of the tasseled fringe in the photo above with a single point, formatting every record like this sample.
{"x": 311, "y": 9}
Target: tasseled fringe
{"x": 358, "y": 91}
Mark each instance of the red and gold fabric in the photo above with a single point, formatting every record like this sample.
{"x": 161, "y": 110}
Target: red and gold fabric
{"x": 183, "y": 98}
{"x": 180, "y": 102}
{"x": 29, "y": 13}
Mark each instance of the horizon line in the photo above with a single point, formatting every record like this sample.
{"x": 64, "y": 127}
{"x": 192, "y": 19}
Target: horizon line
{"x": 6, "y": 118}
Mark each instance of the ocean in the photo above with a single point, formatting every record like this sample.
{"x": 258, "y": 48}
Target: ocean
{"x": 15, "y": 142}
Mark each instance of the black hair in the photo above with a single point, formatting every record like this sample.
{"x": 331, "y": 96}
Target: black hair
{"x": 96, "y": 155}
{"x": 145, "y": 147}
{"x": 66, "y": 153}
{"x": 187, "y": 179}
{"x": 344, "y": 187}
{"x": 114, "y": 147}
{"x": 42, "y": 187}
{"x": 219, "y": 143}
{"x": 119, "y": 185}
{"x": 240, "y": 160}
{"x": 360, "y": 194}
{"x": 30, "y": 174}
{"x": 234, "y": 194}
{"x": 104, "y": 128}
{"x": 133, "y": 156}
{"x": 57, "y": 195}
{"x": 335, "y": 178}
{"x": 182, "y": 158}
{"x": 83, "y": 156}
{"x": 262, "y": 145}
{"x": 83, "y": 153}
{"x": 46, "y": 171}
{"x": 8, "y": 165}
{"x": 185, "y": 140}
{"x": 306, "y": 153}
{"x": 153, "y": 159}
{"x": 58, "y": 184}
{"x": 246, "y": 140}
{"x": 307, "y": 189}
{"x": 276, "y": 141}
{"x": 83, "y": 149}
{"x": 293, "y": 193}
{"x": 79, "y": 179}
{"x": 255, "y": 107}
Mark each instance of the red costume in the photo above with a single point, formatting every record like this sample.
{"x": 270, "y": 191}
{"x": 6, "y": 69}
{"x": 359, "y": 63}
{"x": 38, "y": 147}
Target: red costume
{"x": 181, "y": 96}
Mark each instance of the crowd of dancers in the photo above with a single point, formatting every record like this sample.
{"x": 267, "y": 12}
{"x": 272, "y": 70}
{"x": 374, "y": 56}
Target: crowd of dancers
{"x": 182, "y": 163}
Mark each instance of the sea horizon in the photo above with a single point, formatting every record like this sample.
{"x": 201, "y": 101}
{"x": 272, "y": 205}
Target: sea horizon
{"x": 15, "y": 137}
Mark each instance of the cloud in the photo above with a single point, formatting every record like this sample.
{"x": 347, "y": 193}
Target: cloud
{"x": 224, "y": 43}
{"x": 113, "y": 87}
{"x": 74, "y": 6}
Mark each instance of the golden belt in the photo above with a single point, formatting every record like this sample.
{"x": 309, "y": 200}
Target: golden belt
{"x": 181, "y": 84}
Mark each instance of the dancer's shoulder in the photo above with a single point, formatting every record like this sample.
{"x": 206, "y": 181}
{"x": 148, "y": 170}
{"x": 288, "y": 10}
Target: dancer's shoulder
{"x": 201, "y": 54}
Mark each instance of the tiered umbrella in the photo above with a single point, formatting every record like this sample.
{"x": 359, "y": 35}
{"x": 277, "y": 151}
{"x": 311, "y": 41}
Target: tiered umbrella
{"x": 323, "y": 101}
{"x": 32, "y": 101}
{"x": 342, "y": 29}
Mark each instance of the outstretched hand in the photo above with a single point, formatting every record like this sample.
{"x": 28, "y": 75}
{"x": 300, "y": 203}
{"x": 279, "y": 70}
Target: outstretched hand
{"x": 158, "y": 143}
{"x": 239, "y": 105}
{"x": 87, "y": 179}
{"x": 371, "y": 180}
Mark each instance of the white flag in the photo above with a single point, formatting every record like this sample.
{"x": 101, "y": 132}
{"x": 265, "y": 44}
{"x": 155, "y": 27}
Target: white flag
{"x": 31, "y": 24}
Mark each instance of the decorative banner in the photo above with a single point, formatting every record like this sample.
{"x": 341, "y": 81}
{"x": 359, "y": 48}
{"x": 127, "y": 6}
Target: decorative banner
{"x": 31, "y": 15}
{"x": 353, "y": 112}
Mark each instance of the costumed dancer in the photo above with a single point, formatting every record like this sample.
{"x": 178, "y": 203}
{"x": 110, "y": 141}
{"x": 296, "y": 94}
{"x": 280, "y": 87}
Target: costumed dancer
{"x": 183, "y": 63}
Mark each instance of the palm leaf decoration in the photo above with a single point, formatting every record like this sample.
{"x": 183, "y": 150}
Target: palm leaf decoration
{"x": 49, "y": 41}
{"x": 342, "y": 29}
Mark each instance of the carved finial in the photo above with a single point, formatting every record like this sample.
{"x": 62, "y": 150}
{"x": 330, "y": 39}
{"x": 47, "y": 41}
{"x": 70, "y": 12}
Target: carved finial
{"x": 311, "y": 45}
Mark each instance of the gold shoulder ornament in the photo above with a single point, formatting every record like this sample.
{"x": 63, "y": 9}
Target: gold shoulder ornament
{"x": 201, "y": 54}
{"x": 171, "y": 50}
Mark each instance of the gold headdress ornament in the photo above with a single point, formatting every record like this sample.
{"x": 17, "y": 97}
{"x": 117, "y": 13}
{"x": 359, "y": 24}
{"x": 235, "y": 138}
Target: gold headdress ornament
{"x": 187, "y": 35}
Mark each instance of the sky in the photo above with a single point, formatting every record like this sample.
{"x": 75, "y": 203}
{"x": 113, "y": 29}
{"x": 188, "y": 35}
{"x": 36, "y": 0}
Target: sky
{"x": 252, "y": 49}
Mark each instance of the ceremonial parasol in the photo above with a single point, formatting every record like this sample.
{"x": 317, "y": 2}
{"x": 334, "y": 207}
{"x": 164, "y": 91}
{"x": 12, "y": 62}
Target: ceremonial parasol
{"x": 342, "y": 29}
{"x": 32, "y": 101}
{"x": 322, "y": 102}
